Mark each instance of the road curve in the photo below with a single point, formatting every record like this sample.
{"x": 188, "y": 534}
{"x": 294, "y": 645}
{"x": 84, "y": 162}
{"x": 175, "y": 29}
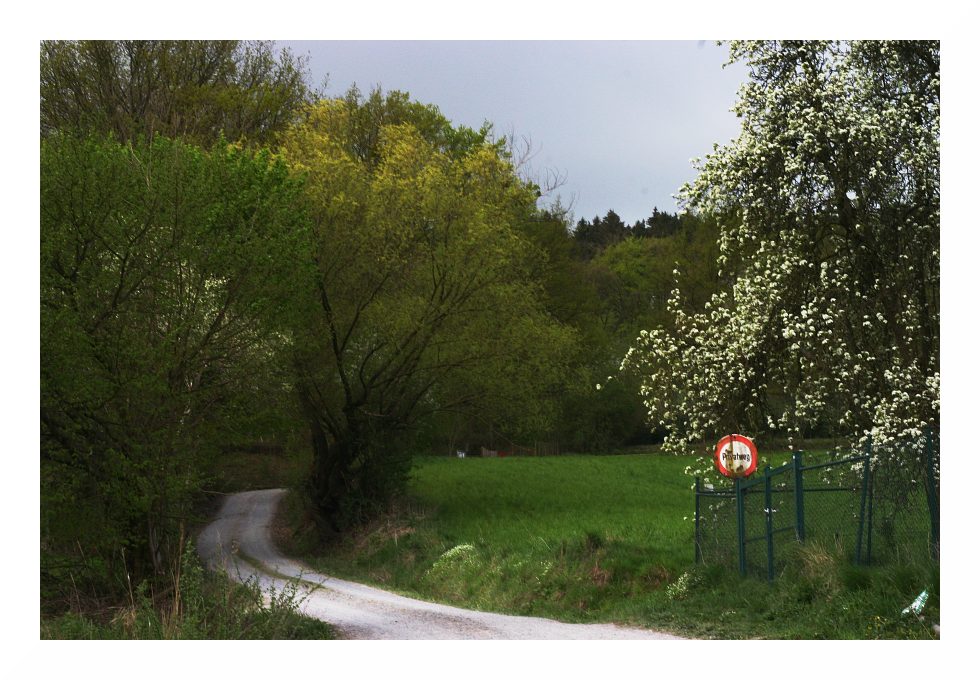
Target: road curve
{"x": 239, "y": 542}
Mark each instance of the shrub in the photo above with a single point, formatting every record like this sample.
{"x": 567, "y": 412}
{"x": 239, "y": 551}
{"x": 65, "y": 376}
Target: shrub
{"x": 195, "y": 605}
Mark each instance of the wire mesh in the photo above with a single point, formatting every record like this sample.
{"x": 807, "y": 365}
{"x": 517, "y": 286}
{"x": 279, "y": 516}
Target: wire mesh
{"x": 879, "y": 508}
{"x": 835, "y": 506}
{"x": 905, "y": 502}
{"x": 716, "y": 530}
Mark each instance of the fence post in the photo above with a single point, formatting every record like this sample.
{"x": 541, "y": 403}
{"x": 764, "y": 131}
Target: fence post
{"x": 769, "y": 544}
{"x": 931, "y": 494}
{"x": 871, "y": 515}
{"x": 864, "y": 501}
{"x": 798, "y": 484}
{"x": 740, "y": 511}
{"x": 698, "y": 557}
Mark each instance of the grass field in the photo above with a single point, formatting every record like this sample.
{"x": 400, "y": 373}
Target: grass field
{"x": 603, "y": 538}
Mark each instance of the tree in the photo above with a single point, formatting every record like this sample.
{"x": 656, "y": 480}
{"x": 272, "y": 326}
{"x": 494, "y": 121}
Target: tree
{"x": 636, "y": 276}
{"x": 163, "y": 273}
{"x": 661, "y": 224}
{"x": 564, "y": 276}
{"x": 198, "y": 89}
{"x": 829, "y": 254}
{"x": 423, "y": 299}
{"x": 608, "y": 300}
{"x": 594, "y": 236}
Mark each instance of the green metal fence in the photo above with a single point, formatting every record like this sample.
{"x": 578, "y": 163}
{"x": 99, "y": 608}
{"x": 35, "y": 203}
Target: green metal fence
{"x": 877, "y": 513}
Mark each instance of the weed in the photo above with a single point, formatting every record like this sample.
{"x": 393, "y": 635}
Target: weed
{"x": 599, "y": 576}
{"x": 680, "y": 588}
{"x": 898, "y": 628}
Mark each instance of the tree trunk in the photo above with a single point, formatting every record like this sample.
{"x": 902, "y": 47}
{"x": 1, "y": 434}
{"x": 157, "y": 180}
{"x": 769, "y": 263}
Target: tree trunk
{"x": 329, "y": 488}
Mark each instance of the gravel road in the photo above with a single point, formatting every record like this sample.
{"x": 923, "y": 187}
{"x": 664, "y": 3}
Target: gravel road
{"x": 239, "y": 542}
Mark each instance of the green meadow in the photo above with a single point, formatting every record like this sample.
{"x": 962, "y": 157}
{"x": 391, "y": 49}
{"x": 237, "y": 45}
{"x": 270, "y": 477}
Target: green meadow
{"x": 626, "y": 504}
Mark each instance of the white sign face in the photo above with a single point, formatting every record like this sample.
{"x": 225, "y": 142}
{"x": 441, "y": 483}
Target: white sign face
{"x": 736, "y": 456}
{"x": 737, "y": 460}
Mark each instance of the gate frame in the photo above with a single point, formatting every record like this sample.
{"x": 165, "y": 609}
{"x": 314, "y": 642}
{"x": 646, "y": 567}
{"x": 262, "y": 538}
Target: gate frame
{"x": 742, "y": 487}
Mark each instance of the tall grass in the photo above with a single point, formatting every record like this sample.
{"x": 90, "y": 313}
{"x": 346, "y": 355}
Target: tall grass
{"x": 197, "y": 605}
{"x": 188, "y": 602}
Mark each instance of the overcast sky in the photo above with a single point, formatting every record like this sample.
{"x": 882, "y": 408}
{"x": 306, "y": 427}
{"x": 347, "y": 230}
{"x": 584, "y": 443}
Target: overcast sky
{"x": 621, "y": 120}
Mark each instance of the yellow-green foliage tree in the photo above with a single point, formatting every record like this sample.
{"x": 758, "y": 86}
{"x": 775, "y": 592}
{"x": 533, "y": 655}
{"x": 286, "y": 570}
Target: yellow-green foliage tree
{"x": 637, "y": 275}
{"x": 423, "y": 299}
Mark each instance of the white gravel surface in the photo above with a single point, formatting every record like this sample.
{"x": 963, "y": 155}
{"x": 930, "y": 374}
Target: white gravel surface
{"x": 242, "y": 528}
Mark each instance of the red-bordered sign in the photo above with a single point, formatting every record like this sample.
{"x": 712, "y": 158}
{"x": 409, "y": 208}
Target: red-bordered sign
{"x": 736, "y": 456}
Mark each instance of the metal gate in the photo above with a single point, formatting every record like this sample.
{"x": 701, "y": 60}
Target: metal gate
{"x": 785, "y": 505}
{"x": 844, "y": 504}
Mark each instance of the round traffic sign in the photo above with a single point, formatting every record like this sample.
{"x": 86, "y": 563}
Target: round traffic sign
{"x": 736, "y": 456}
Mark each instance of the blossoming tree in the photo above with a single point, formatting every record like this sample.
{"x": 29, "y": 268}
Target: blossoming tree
{"x": 829, "y": 254}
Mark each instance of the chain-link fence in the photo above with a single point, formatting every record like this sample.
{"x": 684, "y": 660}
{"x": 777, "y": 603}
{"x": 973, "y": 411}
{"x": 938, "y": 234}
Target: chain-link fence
{"x": 904, "y": 510}
{"x": 880, "y": 507}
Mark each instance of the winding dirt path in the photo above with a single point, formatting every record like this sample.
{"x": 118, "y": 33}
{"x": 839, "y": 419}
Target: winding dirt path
{"x": 239, "y": 542}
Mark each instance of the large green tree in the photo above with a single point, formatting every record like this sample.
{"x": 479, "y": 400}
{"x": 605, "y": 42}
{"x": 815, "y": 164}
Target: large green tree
{"x": 829, "y": 254}
{"x": 423, "y": 299}
{"x": 164, "y": 271}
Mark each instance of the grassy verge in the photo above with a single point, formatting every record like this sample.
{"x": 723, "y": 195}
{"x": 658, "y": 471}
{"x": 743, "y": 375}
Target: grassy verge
{"x": 192, "y": 603}
{"x": 601, "y": 538}
{"x": 197, "y": 605}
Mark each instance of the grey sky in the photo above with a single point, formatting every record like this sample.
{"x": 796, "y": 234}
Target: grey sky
{"x": 622, "y": 120}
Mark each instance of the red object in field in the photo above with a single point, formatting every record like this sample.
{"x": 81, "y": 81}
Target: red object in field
{"x": 736, "y": 456}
